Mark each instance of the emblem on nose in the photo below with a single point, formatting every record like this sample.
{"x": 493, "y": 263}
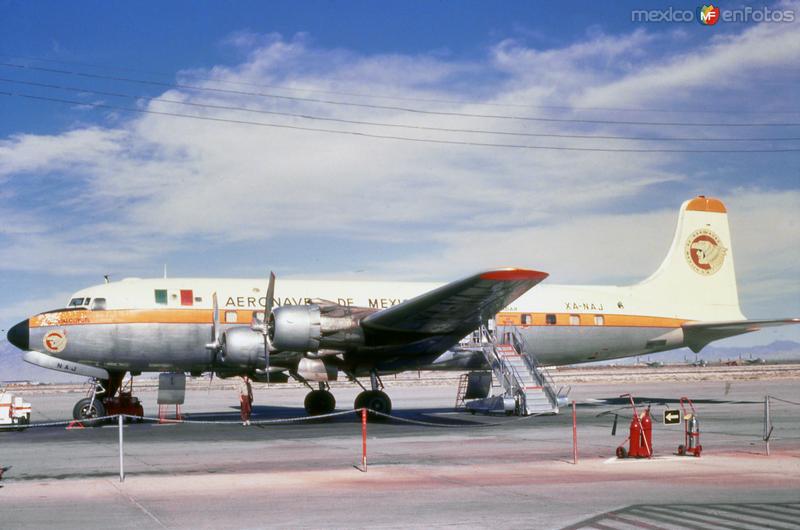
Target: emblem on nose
{"x": 19, "y": 335}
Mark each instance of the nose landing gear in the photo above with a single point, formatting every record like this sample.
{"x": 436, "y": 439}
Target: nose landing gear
{"x": 108, "y": 397}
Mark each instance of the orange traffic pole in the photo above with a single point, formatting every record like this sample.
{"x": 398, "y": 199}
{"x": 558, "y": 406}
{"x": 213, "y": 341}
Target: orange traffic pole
{"x": 364, "y": 439}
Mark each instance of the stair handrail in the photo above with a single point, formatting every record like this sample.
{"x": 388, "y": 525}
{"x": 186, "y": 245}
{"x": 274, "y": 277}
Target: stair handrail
{"x": 511, "y": 379}
{"x": 539, "y": 371}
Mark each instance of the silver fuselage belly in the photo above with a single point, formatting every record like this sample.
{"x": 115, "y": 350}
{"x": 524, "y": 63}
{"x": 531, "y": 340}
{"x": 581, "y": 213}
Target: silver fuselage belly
{"x": 159, "y": 346}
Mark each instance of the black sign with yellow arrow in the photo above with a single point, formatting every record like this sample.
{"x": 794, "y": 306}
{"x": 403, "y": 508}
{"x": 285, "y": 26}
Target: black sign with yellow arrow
{"x": 672, "y": 417}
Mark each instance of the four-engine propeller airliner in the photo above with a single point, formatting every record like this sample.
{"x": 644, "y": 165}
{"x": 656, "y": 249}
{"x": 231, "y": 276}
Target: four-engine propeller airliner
{"x": 312, "y": 330}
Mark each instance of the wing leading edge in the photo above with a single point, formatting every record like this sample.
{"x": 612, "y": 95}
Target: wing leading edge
{"x": 458, "y": 306}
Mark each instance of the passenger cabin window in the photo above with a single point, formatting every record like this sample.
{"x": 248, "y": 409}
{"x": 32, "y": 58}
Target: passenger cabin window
{"x": 574, "y": 320}
{"x": 550, "y": 319}
{"x": 231, "y": 317}
{"x": 527, "y": 320}
{"x": 599, "y": 320}
{"x": 99, "y": 304}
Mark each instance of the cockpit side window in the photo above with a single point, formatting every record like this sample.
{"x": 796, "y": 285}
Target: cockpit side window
{"x": 77, "y": 302}
{"x": 98, "y": 304}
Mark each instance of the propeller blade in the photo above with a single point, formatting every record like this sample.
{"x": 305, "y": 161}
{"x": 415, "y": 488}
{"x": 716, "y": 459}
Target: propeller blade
{"x": 267, "y": 313}
{"x": 215, "y": 320}
{"x": 270, "y": 292}
{"x": 214, "y": 344}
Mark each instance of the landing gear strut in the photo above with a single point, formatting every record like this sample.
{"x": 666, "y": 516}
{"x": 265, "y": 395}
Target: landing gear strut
{"x": 320, "y": 401}
{"x": 374, "y": 399}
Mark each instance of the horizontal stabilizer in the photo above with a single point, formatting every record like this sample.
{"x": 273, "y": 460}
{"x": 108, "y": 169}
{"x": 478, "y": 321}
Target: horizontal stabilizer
{"x": 698, "y": 334}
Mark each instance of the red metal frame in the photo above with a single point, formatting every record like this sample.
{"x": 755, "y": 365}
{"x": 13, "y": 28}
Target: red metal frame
{"x": 697, "y": 449}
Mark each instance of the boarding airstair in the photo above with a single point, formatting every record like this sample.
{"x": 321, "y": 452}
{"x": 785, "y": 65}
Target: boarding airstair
{"x": 522, "y": 386}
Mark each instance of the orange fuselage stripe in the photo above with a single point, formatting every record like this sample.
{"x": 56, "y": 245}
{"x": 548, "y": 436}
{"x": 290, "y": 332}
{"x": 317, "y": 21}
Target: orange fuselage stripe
{"x": 588, "y": 319}
{"x": 204, "y": 316}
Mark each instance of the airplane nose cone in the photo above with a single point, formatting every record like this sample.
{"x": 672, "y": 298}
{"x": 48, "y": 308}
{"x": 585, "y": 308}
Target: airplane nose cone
{"x": 19, "y": 335}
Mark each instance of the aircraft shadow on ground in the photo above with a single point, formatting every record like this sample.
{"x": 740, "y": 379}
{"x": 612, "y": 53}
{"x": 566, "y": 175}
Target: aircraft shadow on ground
{"x": 428, "y": 415}
{"x": 646, "y": 400}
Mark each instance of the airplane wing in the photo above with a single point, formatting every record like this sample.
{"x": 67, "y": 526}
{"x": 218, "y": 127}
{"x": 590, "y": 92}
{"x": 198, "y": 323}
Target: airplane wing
{"x": 699, "y": 334}
{"x": 458, "y": 306}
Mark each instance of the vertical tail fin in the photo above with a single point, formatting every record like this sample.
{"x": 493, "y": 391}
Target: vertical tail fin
{"x": 697, "y": 279}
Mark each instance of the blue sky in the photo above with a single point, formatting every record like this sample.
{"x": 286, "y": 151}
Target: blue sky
{"x": 88, "y": 191}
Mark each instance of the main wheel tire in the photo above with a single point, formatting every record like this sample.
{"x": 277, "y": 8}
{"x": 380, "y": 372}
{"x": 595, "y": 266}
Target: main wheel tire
{"x": 319, "y": 402}
{"x": 85, "y": 411}
{"x": 374, "y": 400}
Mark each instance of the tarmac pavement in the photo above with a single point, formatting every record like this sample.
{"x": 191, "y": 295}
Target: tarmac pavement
{"x": 467, "y": 471}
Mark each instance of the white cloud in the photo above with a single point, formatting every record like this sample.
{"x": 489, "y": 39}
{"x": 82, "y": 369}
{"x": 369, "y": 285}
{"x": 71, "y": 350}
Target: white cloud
{"x": 25, "y": 153}
{"x": 155, "y": 182}
{"x": 732, "y": 63}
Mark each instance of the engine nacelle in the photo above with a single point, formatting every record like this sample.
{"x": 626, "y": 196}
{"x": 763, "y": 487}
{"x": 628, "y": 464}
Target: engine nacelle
{"x": 307, "y": 328}
{"x": 316, "y": 370}
{"x": 295, "y": 328}
{"x": 242, "y": 347}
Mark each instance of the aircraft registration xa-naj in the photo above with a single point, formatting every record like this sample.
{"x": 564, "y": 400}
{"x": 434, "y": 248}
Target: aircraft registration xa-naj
{"x": 313, "y": 330}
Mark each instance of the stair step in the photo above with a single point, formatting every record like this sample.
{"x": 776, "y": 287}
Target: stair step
{"x": 512, "y": 366}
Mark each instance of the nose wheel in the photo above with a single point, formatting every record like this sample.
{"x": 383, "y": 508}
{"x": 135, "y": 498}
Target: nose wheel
{"x": 88, "y": 409}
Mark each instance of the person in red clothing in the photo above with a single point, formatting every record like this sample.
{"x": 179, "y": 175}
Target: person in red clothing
{"x": 245, "y": 399}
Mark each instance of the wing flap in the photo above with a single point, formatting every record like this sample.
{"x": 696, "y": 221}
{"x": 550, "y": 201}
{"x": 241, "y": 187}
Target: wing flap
{"x": 458, "y": 306}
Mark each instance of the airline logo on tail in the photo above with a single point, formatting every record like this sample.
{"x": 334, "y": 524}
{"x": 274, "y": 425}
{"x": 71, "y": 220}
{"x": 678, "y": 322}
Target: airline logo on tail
{"x": 705, "y": 252}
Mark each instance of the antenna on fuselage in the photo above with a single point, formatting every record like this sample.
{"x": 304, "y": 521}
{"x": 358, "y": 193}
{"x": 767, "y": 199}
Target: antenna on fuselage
{"x": 107, "y": 278}
{"x": 165, "y": 271}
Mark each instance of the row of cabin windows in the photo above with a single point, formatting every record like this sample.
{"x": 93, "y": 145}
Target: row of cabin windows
{"x": 186, "y": 297}
{"x": 551, "y": 319}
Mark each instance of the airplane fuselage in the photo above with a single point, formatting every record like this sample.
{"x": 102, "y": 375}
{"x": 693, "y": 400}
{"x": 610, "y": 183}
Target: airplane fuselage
{"x": 165, "y": 324}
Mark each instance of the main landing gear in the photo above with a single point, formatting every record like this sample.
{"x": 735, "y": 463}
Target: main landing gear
{"x": 374, "y": 399}
{"x": 109, "y": 397}
{"x": 320, "y": 401}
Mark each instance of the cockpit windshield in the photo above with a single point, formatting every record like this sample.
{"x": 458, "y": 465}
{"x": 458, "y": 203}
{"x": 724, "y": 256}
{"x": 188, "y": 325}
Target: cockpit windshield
{"x": 78, "y": 302}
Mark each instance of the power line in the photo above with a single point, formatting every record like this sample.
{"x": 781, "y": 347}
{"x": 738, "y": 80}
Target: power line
{"x": 384, "y": 124}
{"x": 402, "y": 98}
{"x": 391, "y": 137}
{"x": 392, "y": 107}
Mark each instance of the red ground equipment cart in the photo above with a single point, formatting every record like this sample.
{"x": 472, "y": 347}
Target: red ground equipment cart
{"x": 691, "y": 430}
{"x": 641, "y": 435}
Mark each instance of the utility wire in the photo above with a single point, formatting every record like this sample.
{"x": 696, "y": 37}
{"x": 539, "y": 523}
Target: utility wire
{"x": 392, "y": 107}
{"x": 391, "y": 137}
{"x": 784, "y": 400}
{"x": 384, "y": 124}
{"x": 400, "y": 98}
